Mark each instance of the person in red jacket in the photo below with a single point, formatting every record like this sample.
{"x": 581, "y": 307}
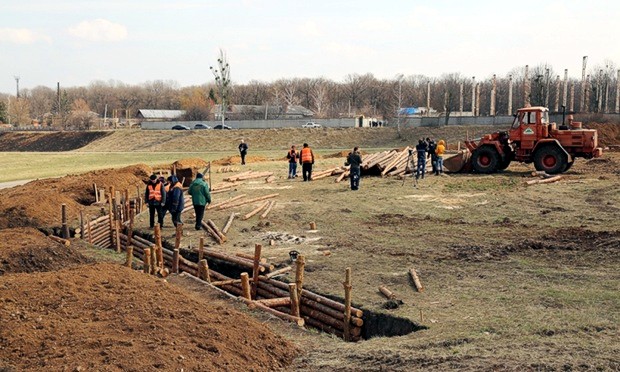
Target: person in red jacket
{"x": 306, "y": 159}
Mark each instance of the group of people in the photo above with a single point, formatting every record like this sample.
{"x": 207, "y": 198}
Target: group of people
{"x": 166, "y": 195}
{"x": 427, "y": 148}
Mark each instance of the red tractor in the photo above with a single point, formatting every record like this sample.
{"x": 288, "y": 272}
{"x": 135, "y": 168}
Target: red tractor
{"x": 531, "y": 139}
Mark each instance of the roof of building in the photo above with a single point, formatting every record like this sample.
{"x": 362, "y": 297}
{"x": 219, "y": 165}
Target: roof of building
{"x": 161, "y": 114}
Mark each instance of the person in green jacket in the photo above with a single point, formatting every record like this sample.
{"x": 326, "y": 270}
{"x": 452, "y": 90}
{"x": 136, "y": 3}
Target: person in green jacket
{"x": 199, "y": 190}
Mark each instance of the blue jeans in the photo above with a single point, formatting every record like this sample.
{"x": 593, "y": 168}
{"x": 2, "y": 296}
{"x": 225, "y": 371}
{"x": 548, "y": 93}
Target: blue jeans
{"x": 421, "y": 169}
{"x": 440, "y": 164}
{"x": 355, "y": 178}
{"x": 292, "y": 170}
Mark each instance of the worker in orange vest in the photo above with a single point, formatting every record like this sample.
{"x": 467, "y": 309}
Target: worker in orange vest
{"x": 155, "y": 196}
{"x": 306, "y": 159}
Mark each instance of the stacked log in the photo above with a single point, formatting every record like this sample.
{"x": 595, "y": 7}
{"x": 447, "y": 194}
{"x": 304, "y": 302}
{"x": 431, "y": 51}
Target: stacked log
{"x": 248, "y": 176}
{"x": 97, "y": 231}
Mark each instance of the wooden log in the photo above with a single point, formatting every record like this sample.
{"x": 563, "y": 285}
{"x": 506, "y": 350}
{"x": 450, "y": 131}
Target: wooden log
{"x": 129, "y": 257}
{"x": 347, "y": 305}
{"x": 250, "y": 257}
{"x": 274, "y": 302}
{"x": 65, "y": 227}
{"x": 82, "y": 224}
{"x": 245, "y": 286}
{"x": 212, "y": 232}
{"x": 96, "y": 193}
{"x": 158, "y": 247}
{"x": 203, "y": 270}
{"x": 255, "y": 268}
{"x": 178, "y": 235}
{"x": 111, "y": 215}
{"x": 233, "y": 199}
{"x": 279, "y": 272}
{"x": 539, "y": 174}
{"x": 342, "y": 176}
{"x": 297, "y": 320}
{"x": 229, "y": 223}
{"x": 256, "y": 210}
{"x": 270, "y": 179}
{"x": 146, "y": 262}
{"x": 62, "y": 241}
{"x": 386, "y": 292}
{"x": 117, "y": 239}
{"x": 266, "y": 212}
{"x": 312, "y": 225}
{"x": 248, "y": 201}
{"x": 250, "y": 176}
{"x": 217, "y": 230}
{"x": 294, "y": 298}
{"x": 543, "y": 181}
{"x": 416, "y": 280}
{"x": 300, "y": 265}
{"x": 236, "y": 260}
{"x": 227, "y": 282}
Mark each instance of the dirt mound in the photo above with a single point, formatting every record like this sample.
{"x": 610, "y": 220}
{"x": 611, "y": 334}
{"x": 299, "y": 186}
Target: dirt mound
{"x": 55, "y": 141}
{"x": 232, "y": 160}
{"x": 26, "y": 250}
{"x": 608, "y": 134}
{"x": 126, "y": 321}
{"x": 190, "y": 163}
{"x": 342, "y": 154}
{"x": 38, "y": 203}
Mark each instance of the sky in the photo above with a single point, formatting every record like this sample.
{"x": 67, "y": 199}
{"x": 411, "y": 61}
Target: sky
{"x": 76, "y": 42}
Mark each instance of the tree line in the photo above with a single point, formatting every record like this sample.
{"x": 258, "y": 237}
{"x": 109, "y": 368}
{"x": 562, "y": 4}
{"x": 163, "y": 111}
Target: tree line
{"x": 356, "y": 94}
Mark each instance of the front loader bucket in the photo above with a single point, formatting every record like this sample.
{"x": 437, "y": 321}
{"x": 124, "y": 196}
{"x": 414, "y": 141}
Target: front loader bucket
{"x": 461, "y": 162}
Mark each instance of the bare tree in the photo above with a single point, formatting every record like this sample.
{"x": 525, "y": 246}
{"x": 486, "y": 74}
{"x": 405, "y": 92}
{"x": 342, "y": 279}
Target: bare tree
{"x": 222, "y": 81}
{"x": 319, "y": 96}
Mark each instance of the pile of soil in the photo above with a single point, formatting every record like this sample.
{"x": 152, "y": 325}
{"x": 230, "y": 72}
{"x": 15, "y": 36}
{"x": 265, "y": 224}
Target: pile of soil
{"x": 232, "y": 160}
{"x": 343, "y": 154}
{"x": 196, "y": 163}
{"x": 608, "y": 133}
{"x": 26, "y": 250}
{"x": 46, "y": 141}
{"x": 104, "y": 316}
{"x": 38, "y": 203}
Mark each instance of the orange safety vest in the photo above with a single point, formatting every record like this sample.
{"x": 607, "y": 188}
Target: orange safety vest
{"x": 154, "y": 193}
{"x": 306, "y": 155}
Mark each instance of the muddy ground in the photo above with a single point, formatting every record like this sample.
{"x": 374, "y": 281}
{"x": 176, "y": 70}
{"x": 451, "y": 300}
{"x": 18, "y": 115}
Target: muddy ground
{"x": 516, "y": 277}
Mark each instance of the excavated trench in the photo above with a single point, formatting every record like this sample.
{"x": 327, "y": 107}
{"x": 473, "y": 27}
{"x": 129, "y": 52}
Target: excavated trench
{"x": 376, "y": 324}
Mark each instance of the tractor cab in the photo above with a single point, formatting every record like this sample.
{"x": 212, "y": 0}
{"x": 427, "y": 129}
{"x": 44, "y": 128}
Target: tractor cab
{"x": 529, "y": 125}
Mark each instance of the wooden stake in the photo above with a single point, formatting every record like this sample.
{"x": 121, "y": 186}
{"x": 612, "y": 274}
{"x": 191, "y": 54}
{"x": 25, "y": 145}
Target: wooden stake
{"x": 201, "y": 248}
{"x": 96, "y": 193}
{"x": 117, "y": 237}
{"x": 62, "y": 241}
{"x": 203, "y": 271}
{"x": 212, "y": 232}
{"x": 300, "y": 265}
{"x": 312, "y": 225}
{"x": 257, "y": 250}
{"x": 279, "y": 272}
{"x": 132, "y": 216}
{"x": 178, "y": 235}
{"x": 217, "y": 230}
{"x": 347, "y": 304}
{"x": 65, "y": 227}
{"x": 111, "y": 221}
{"x": 146, "y": 261}
{"x": 81, "y": 224}
{"x": 90, "y": 235}
{"x": 175, "y": 261}
{"x": 129, "y": 259}
{"x": 101, "y": 198}
{"x": 245, "y": 286}
{"x": 416, "y": 280}
{"x": 292, "y": 290}
{"x": 275, "y": 302}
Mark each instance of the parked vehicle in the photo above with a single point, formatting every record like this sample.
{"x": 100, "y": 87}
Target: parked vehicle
{"x": 222, "y": 126}
{"x": 202, "y": 126}
{"x": 311, "y": 125}
{"x": 180, "y": 127}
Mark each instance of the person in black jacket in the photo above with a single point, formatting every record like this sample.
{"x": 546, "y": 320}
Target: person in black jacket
{"x": 431, "y": 147}
{"x": 175, "y": 201}
{"x": 422, "y": 149}
{"x": 354, "y": 159}
{"x": 155, "y": 196}
{"x": 243, "y": 151}
{"x": 292, "y": 157}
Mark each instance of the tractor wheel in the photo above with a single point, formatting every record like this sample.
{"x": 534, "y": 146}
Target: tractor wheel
{"x": 568, "y": 165}
{"x": 503, "y": 164}
{"x": 485, "y": 160}
{"x": 550, "y": 159}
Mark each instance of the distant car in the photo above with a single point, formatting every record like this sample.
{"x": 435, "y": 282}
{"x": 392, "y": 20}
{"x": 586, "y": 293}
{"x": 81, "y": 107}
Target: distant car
{"x": 311, "y": 125}
{"x": 222, "y": 126}
{"x": 202, "y": 126}
{"x": 180, "y": 127}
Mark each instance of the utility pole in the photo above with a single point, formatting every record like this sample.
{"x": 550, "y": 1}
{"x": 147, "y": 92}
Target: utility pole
{"x": 565, "y": 90}
{"x": 556, "y": 106}
{"x": 526, "y": 87}
{"x": 582, "y": 103}
{"x": 547, "y": 82}
{"x": 17, "y": 83}
{"x": 510, "y": 95}
{"x": 428, "y": 98}
{"x": 473, "y": 96}
{"x": 461, "y": 98}
{"x": 493, "y": 94}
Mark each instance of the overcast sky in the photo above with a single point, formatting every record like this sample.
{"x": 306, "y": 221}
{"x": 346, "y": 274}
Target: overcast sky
{"x": 75, "y": 42}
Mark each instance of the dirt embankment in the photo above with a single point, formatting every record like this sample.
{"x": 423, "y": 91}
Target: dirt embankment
{"x": 49, "y": 141}
{"x": 38, "y": 203}
{"x": 108, "y": 317}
